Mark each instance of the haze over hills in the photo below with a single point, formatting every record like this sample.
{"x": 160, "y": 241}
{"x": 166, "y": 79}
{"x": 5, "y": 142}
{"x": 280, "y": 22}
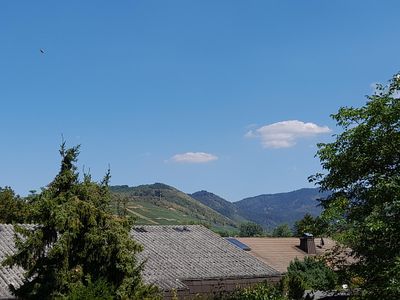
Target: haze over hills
{"x": 162, "y": 204}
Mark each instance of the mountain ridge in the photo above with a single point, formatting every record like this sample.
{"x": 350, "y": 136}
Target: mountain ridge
{"x": 160, "y": 203}
{"x": 219, "y": 204}
{"x": 270, "y": 210}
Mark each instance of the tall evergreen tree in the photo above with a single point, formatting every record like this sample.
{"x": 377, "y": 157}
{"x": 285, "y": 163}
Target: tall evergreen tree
{"x": 77, "y": 242}
{"x": 13, "y": 209}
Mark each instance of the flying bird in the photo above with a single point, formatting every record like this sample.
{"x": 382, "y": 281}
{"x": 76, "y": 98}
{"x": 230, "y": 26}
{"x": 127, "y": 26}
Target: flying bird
{"x": 42, "y": 51}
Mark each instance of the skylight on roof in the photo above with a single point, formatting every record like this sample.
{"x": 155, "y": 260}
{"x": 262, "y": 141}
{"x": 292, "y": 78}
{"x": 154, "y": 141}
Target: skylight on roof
{"x": 238, "y": 244}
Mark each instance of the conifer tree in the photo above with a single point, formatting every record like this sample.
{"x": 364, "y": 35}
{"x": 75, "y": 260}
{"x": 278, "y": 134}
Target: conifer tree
{"x": 76, "y": 242}
{"x": 13, "y": 209}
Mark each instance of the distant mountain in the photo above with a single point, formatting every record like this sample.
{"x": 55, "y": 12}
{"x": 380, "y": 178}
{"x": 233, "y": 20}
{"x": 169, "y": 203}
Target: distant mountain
{"x": 224, "y": 207}
{"x": 271, "y": 210}
{"x": 162, "y": 204}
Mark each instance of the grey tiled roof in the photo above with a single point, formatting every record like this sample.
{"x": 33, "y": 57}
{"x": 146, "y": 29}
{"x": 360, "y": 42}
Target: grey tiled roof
{"x": 8, "y": 275}
{"x": 174, "y": 255}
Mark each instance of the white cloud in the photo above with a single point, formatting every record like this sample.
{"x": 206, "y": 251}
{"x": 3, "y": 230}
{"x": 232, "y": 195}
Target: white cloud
{"x": 193, "y": 157}
{"x": 285, "y": 134}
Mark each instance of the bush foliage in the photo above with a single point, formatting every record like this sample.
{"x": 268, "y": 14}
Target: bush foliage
{"x": 314, "y": 273}
{"x": 261, "y": 291}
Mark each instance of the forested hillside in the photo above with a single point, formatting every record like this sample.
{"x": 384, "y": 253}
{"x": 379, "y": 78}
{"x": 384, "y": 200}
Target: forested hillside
{"x": 270, "y": 210}
{"x": 162, "y": 204}
{"x": 219, "y": 204}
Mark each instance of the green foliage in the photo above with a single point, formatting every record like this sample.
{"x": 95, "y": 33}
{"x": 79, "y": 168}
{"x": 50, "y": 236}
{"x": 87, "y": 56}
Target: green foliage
{"x": 308, "y": 224}
{"x": 282, "y": 230}
{"x": 99, "y": 289}
{"x": 250, "y": 229}
{"x": 296, "y": 287}
{"x": 261, "y": 291}
{"x": 76, "y": 238}
{"x": 362, "y": 170}
{"x": 226, "y": 233}
{"x": 312, "y": 274}
{"x": 13, "y": 209}
{"x": 202, "y": 223}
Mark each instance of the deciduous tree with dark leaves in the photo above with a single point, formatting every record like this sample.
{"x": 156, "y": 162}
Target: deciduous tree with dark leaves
{"x": 362, "y": 172}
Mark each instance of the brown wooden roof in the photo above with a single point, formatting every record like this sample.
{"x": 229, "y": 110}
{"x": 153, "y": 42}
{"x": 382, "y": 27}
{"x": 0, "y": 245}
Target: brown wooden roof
{"x": 279, "y": 252}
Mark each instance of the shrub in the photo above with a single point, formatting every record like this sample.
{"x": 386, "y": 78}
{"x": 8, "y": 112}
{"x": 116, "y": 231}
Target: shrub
{"x": 309, "y": 274}
{"x": 261, "y": 291}
{"x": 296, "y": 287}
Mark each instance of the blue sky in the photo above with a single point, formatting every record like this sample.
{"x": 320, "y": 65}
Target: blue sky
{"x": 226, "y": 96}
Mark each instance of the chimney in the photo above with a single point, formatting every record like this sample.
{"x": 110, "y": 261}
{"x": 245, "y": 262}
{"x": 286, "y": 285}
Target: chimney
{"x": 307, "y": 243}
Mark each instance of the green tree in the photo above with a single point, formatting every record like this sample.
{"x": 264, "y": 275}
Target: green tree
{"x": 310, "y": 274}
{"x": 313, "y": 273}
{"x": 13, "y": 209}
{"x": 316, "y": 226}
{"x": 362, "y": 172}
{"x": 282, "y": 230}
{"x": 77, "y": 246}
{"x": 250, "y": 229}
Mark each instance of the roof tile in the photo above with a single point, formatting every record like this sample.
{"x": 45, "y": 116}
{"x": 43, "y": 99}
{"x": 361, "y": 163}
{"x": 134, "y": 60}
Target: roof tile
{"x": 174, "y": 255}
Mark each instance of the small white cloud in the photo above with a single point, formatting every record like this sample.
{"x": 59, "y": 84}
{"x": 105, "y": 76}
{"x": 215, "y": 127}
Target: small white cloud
{"x": 285, "y": 134}
{"x": 193, "y": 157}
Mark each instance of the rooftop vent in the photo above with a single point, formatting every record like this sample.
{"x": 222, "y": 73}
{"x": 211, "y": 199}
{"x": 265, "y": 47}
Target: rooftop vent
{"x": 181, "y": 229}
{"x": 140, "y": 229}
{"x": 307, "y": 243}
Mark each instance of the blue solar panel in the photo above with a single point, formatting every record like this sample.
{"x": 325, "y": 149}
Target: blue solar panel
{"x": 239, "y": 244}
